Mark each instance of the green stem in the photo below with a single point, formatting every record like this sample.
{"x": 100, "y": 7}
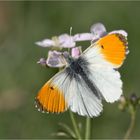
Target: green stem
{"x": 88, "y": 128}
{"x": 75, "y": 126}
{"x": 131, "y": 126}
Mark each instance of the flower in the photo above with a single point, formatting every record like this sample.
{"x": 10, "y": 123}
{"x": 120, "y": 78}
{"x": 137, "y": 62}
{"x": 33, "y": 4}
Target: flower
{"x": 122, "y": 103}
{"x": 42, "y": 61}
{"x": 62, "y": 41}
{"x": 96, "y": 31}
{"x": 55, "y": 59}
{"x": 129, "y": 103}
{"x": 67, "y": 41}
{"x": 83, "y": 37}
{"x": 75, "y": 52}
{"x": 134, "y": 99}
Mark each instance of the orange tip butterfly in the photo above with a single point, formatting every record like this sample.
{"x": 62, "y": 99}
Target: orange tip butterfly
{"x": 87, "y": 80}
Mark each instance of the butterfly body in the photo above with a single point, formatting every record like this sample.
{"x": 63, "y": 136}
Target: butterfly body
{"x": 78, "y": 70}
{"x": 86, "y": 80}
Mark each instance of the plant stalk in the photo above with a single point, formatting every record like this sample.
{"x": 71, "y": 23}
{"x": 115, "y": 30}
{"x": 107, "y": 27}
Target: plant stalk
{"x": 76, "y": 129}
{"x": 88, "y": 128}
{"x": 131, "y": 126}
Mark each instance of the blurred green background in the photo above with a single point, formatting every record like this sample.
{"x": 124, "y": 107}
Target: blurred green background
{"x": 24, "y": 23}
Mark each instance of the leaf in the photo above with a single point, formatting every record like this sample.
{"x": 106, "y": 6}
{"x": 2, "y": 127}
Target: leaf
{"x": 68, "y": 130}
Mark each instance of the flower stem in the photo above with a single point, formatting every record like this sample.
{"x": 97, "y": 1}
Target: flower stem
{"x": 131, "y": 126}
{"x": 88, "y": 128}
{"x": 76, "y": 129}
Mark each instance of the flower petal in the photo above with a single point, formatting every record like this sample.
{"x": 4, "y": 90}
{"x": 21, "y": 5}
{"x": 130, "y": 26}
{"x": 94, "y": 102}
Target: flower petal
{"x": 98, "y": 29}
{"x": 66, "y": 41}
{"x": 83, "y": 37}
{"x": 42, "y": 61}
{"x": 55, "y": 59}
{"x": 75, "y": 52}
{"x": 45, "y": 43}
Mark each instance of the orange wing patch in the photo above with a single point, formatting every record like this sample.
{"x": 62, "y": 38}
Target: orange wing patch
{"x": 113, "y": 47}
{"x": 50, "y": 98}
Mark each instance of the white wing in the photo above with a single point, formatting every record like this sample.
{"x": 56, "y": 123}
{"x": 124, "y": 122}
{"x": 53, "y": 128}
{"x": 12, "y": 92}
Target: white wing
{"x": 78, "y": 95}
{"x": 84, "y": 102}
{"x": 124, "y": 33}
{"x": 102, "y": 74}
{"x": 64, "y": 91}
{"x": 108, "y": 82}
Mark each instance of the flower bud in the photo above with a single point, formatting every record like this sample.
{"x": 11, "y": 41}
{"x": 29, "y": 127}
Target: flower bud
{"x": 75, "y": 52}
{"x": 122, "y": 103}
{"x": 134, "y": 99}
{"x": 42, "y": 61}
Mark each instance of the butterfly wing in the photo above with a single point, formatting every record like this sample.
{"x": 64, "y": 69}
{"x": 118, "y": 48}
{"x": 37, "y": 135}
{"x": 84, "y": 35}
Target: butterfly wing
{"x": 107, "y": 81}
{"x": 103, "y": 57}
{"x": 66, "y": 90}
{"x": 110, "y": 49}
{"x": 84, "y": 101}
{"x": 51, "y": 97}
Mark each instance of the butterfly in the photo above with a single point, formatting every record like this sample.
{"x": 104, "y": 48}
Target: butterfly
{"x": 87, "y": 80}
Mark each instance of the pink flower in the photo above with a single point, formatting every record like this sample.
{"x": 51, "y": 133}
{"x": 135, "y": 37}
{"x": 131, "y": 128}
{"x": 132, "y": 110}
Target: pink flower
{"x": 62, "y": 41}
{"x": 67, "y": 41}
{"x": 83, "y": 37}
{"x": 55, "y": 59}
{"x": 42, "y": 61}
{"x": 97, "y": 30}
{"x": 75, "y": 52}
